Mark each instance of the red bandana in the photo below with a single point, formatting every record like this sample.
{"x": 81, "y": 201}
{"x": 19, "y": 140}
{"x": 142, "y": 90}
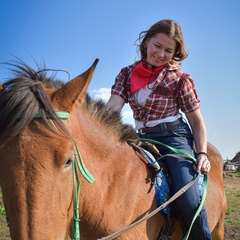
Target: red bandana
{"x": 141, "y": 76}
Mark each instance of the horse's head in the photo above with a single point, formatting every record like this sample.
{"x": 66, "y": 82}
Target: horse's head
{"x": 37, "y": 150}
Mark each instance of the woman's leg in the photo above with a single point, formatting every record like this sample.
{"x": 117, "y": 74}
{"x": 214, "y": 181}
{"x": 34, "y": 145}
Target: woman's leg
{"x": 181, "y": 172}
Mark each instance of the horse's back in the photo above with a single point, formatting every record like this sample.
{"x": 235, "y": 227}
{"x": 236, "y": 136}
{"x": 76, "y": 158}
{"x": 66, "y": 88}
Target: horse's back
{"x": 216, "y": 200}
{"x": 215, "y": 157}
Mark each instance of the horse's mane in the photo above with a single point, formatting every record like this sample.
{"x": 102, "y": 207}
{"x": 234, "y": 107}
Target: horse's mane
{"x": 111, "y": 119}
{"x": 24, "y": 96}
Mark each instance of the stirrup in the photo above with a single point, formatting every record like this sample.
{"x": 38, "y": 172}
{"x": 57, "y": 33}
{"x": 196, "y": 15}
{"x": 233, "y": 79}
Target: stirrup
{"x": 168, "y": 227}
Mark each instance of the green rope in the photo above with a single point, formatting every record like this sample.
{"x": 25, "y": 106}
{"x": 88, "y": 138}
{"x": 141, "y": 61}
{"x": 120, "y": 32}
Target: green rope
{"x": 78, "y": 165}
{"x": 76, "y": 194}
{"x": 86, "y": 174}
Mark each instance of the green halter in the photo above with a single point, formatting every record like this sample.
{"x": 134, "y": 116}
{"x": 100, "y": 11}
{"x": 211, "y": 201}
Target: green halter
{"x": 77, "y": 165}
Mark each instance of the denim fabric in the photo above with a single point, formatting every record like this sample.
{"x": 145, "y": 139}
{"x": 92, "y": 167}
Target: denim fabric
{"x": 181, "y": 172}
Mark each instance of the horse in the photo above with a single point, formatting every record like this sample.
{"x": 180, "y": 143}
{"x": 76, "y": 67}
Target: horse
{"x": 38, "y": 152}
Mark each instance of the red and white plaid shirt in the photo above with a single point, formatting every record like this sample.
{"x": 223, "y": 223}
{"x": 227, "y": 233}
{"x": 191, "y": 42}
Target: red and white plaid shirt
{"x": 172, "y": 91}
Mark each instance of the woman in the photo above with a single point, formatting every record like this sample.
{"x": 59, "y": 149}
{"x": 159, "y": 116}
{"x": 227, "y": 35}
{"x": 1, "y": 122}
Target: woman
{"x": 157, "y": 89}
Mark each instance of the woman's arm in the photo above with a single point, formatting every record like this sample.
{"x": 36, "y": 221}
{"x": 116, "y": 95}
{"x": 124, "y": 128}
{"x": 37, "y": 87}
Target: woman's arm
{"x": 197, "y": 125}
{"x": 115, "y": 103}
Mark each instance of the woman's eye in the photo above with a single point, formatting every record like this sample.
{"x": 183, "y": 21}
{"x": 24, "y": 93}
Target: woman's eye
{"x": 158, "y": 46}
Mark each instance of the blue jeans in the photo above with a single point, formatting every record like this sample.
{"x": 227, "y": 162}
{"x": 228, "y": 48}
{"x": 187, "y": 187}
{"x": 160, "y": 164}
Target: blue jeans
{"x": 181, "y": 172}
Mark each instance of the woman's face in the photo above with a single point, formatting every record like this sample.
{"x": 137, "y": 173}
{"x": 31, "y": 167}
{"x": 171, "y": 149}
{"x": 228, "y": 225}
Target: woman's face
{"x": 160, "y": 49}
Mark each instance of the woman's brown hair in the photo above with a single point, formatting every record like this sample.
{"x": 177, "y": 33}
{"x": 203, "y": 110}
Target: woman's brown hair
{"x": 173, "y": 30}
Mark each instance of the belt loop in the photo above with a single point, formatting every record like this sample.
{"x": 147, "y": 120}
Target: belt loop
{"x": 140, "y": 131}
{"x": 163, "y": 127}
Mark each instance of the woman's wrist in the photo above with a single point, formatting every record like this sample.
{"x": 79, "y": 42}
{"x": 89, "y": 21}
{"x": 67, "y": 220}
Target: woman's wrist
{"x": 202, "y": 153}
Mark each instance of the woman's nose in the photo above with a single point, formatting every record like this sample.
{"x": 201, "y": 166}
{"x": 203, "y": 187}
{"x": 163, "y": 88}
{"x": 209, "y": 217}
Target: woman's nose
{"x": 161, "y": 53}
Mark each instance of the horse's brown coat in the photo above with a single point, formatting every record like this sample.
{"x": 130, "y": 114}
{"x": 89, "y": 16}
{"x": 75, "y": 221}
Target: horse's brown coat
{"x": 37, "y": 184}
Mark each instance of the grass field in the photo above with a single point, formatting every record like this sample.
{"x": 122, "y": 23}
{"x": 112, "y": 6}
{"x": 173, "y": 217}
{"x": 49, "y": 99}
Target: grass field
{"x": 232, "y": 220}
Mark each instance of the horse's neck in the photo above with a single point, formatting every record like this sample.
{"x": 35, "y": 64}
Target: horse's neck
{"x": 120, "y": 193}
{"x": 117, "y": 194}
{"x": 112, "y": 162}
{"x": 103, "y": 152}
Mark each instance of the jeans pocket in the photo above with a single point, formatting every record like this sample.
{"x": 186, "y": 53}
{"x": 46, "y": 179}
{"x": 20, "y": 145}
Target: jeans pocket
{"x": 182, "y": 130}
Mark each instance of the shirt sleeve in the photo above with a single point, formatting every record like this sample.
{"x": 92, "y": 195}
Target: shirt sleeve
{"x": 187, "y": 98}
{"x": 122, "y": 84}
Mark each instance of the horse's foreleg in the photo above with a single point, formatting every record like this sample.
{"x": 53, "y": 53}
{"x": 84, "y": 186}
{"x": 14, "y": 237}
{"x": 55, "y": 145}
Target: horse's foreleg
{"x": 218, "y": 231}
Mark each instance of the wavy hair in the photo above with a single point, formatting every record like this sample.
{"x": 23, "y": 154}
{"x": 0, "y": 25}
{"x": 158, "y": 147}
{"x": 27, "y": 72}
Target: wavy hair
{"x": 173, "y": 30}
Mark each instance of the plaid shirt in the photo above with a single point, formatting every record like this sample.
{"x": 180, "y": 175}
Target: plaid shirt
{"x": 172, "y": 91}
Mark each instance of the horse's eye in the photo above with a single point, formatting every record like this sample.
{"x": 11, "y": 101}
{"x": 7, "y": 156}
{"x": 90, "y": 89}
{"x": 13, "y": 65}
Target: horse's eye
{"x": 68, "y": 163}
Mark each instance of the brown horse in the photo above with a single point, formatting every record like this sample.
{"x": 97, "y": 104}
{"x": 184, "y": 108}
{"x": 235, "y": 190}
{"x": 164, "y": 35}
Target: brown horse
{"x": 37, "y": 155}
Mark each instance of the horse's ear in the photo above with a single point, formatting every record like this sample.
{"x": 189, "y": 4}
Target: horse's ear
{"x": 1, "y": 87}
{"x": 74, "y": 89}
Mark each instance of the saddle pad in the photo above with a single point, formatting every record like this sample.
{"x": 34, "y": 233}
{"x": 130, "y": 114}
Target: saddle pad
{"x": 160, "y": 183}
{"x": 162, "y": 191}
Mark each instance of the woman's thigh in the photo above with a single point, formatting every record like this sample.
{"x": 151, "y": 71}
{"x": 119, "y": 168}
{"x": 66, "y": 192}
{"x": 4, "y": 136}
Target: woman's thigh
{"x": 180, "y": 171}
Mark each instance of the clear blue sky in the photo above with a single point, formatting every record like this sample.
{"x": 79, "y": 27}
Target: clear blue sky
{"x": 70, "y": 34}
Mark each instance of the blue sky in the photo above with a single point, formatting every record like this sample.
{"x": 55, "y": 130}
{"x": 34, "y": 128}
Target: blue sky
{"x": 69, "y": 35}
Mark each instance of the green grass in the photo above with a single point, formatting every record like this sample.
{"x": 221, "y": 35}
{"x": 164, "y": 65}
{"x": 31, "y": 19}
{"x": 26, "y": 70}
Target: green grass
{"x": 2, "y": 209}
{"x": 232, "y": 220}
{"x": 4, "y": 232}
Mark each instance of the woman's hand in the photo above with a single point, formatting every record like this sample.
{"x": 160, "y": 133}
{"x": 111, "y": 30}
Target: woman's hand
{"x": 203, "y": 165}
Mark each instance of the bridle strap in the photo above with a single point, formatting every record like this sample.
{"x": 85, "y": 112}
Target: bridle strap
{"x": 77, "y": 165}
{"x": 76, "y": 194}
{"x": 81, "y": 166}
{"x": 59, "y": 114}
